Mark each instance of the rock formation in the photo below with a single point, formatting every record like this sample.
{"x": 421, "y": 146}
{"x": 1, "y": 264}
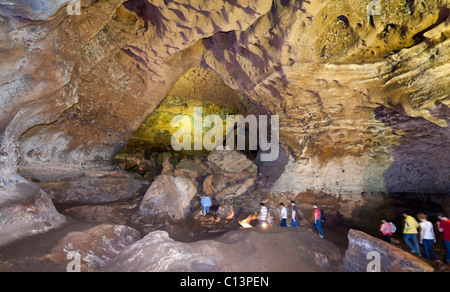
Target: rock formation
{"x": 168, "y": 198}
{"x": 95, "y": 246}
{"x": 363, "y": 99}
{"x": 240, "y": 251}
{"x": 364, "y": 252}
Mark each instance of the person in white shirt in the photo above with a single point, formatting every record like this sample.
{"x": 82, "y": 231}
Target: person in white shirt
{"x": 263, "y": 216}
{"x": 427, "y": 237}
{"x": 284, "y": 215}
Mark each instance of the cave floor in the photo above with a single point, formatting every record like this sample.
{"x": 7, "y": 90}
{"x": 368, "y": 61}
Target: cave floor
{"x": 31, "y": 254}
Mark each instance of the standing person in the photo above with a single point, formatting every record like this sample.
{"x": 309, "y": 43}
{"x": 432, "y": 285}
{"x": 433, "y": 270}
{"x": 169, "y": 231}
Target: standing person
{"x": 206, "y": 203}
{"x": 295, "y": 214}
{"x": 410, "y": 232}
{"x": 263, "y": 216}
{"x": 427, "y": 237}
{"x": 283, "y": 215}
{"x": 444, "y": 225}
{"x": 386, "y": 229}
{"x": 318, "y": 220}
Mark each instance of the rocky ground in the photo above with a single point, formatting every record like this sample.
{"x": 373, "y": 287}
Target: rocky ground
{"x": 256, "y": 250}
{"x": 159, "y": 226}
{"x": 109, "y": 247}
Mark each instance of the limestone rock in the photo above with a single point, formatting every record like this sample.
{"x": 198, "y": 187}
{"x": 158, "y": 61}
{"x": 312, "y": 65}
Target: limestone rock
{"x": 73, "y": 89}
{"x": 33, "y": 10}
{"x": 227, "y": 210}
{"x": 238, "y": 251}
{"x": 168, "y": 198}
{"x": 167, "y": 166}
{"x": 188, "y": 168}
{"x": 215, "y": 183}
{"x": 26, "y": 210}
{"x": 90, "y": 189}
{"x": 391, "y": 258}
{"x": 232, "y": 161}
{"x": 157, "y": 252}
{"x": 235, "y": 190}
{"x": 95, "y": 246}
{"x": 121, "y": 213}
{"x": 234, "y": 175}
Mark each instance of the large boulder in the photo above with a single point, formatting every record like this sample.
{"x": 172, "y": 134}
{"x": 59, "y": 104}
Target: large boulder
{"x": 26, "y": 210}
{"x": 190, "y": 169}
{"x": 95, "y": 246}
{"x": 234, "y": 175}
{"x": 250, "y": 250}
{"x": 231, "y": 161}
{"x": 157, "y": 252}
{"x": 168, "y": 198}
{"x": 365, "y": 251}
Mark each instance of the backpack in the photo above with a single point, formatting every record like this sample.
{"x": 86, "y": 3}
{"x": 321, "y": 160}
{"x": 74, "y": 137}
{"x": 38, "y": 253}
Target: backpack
{"x": 323, "y": 217}
{"x": 393, "y": 227}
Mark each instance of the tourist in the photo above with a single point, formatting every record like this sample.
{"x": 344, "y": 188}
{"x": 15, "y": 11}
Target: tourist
{"x": 295, "y": 214}
{"x": 206, "y": 203}
{"x": 427, "y": 237}
{"x": 386, "y": 229}
{"x": 410, "y": 232}
{"x": 318, "y": 220}
{"x": 283, "y": 215}
{"x": 444, "y": 225}
{"x": 263, "y": 216}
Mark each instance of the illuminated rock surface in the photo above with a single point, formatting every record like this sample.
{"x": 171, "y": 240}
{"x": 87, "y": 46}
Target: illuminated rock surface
{"x": 363, "y": 100}
{"x": 239, "y": 251}
{"x": 364, "y": 250}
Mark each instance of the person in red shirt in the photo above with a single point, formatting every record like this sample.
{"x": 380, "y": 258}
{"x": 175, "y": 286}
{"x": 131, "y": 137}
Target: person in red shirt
{"x": 318, "y": 220}
{"x": 444, "y": 225}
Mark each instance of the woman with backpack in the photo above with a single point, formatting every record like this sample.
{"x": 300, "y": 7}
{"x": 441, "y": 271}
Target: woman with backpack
{"x": 386, "y": 229}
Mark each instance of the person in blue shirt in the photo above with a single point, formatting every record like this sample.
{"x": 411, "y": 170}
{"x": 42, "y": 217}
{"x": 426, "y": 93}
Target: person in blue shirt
{"x": 206, "y": 203}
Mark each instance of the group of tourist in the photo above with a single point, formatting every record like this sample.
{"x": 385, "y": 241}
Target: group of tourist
{"x": 317, "y": 216}
{"x": 411, "y": 234}
{"x": 426, "y": 235}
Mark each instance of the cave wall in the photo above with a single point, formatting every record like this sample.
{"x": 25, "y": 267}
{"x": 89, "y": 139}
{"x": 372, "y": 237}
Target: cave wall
{"x": 74, "y": 88}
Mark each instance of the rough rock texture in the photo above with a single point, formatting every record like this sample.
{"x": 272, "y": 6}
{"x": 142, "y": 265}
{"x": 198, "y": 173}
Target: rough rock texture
{"x": 421, "y": 160}
{"x": 92, "y": 189}
{"x": 30, "y": 213}
{"x": 232, "y": 161}
{"x": 73, "y": 89}
{"x": 234, "y": 175}
{"x": 168, "y": 198}
{"x": 95, "y": 246}
{"x": 123, "y": 213}
{"x": 391, "y": 258}
{"x": 245, "y": 250}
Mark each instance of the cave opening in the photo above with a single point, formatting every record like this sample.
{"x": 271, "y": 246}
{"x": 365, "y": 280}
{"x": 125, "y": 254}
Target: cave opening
{"x": 198, "y": 94}
{"x": 236, "y": 178}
